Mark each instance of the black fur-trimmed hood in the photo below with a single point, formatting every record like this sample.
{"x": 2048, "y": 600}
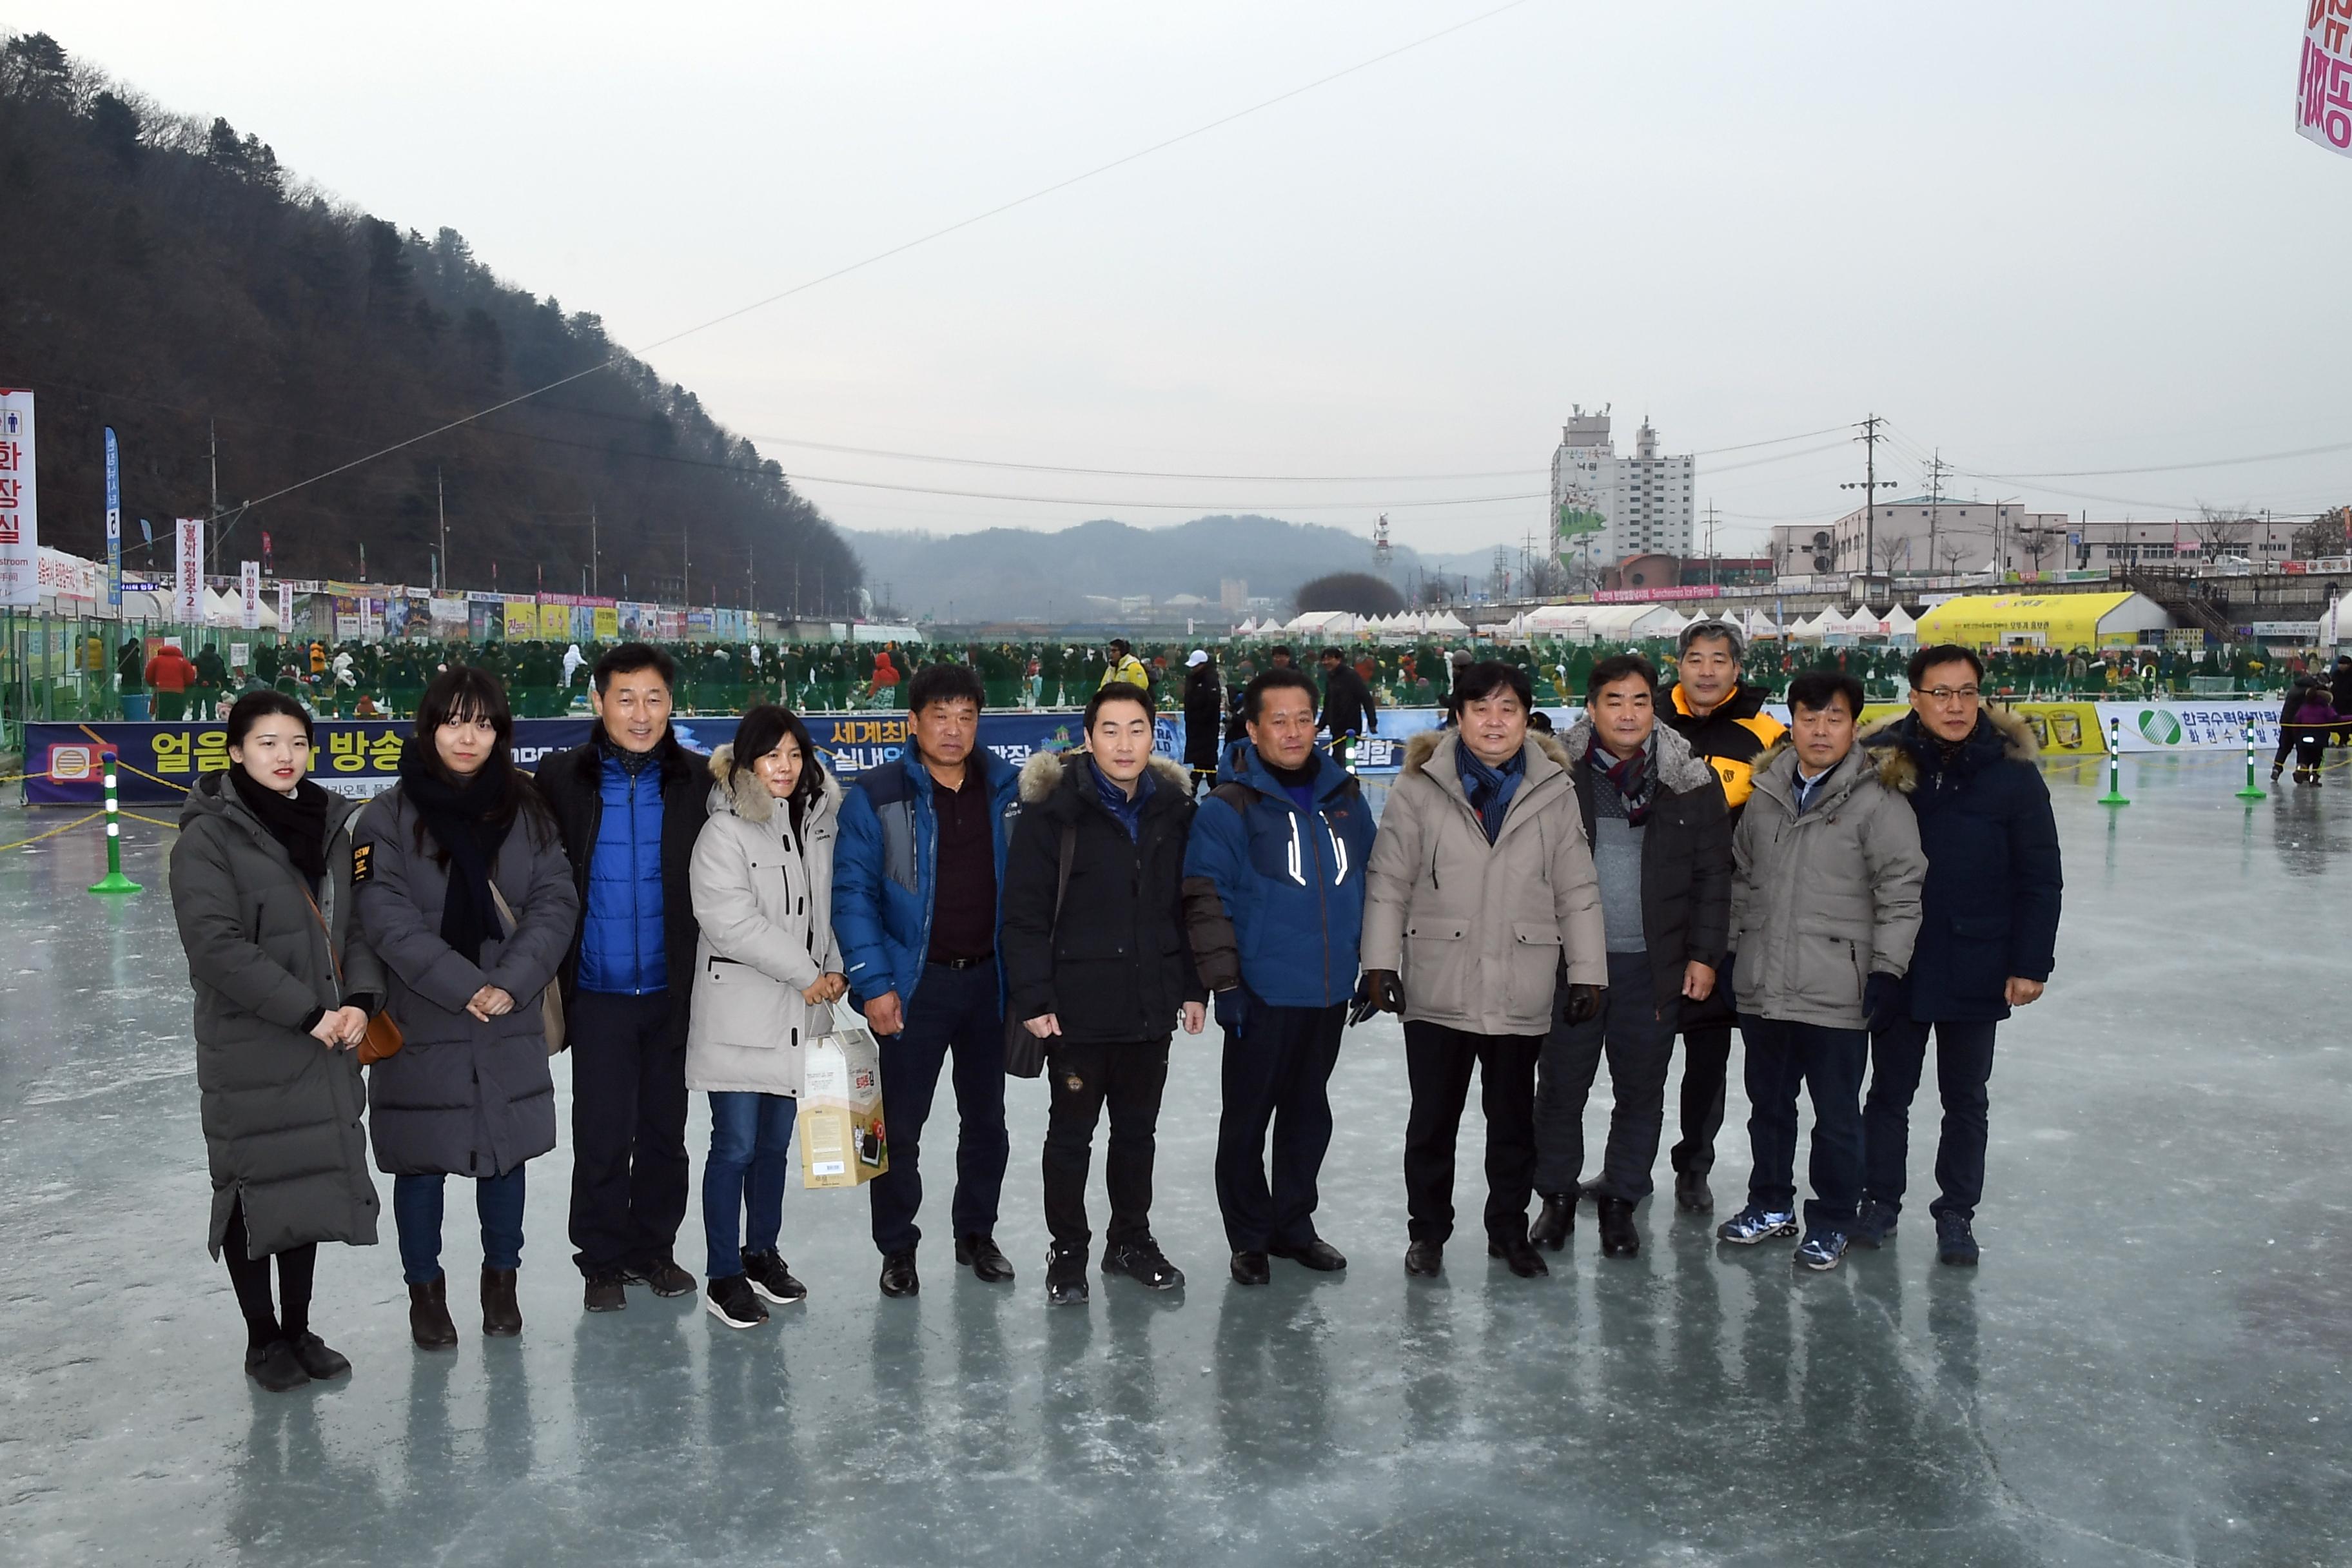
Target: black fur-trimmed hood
{"x": 1893, "y": 737}
{"x": 1042, "y": 775}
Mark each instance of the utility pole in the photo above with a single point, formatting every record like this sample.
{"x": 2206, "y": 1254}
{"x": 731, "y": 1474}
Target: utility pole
{"x": 441, "y": 505}
{"x": 685, "y": 561}
{"x": 1937, "y": 469}
{"x": 595, "y": 557}
{"x": 1869, "y": 486}
{"x": 212, "y": 522}
{"x": 1710, "y": 544}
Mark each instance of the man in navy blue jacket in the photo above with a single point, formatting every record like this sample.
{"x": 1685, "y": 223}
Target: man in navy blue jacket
{"x": 1988, "y": 931}
{"x": 1274, "y": 901}
{"x": 629, "y": 804}
{"x": 918, "y": 874}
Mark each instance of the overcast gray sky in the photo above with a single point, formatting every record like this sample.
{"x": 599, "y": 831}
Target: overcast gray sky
{"x": 2046, "y": 236}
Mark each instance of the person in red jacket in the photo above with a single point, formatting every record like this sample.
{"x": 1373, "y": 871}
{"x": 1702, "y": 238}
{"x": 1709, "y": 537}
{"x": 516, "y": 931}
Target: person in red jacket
{"x": 168, "y": 676}
{"x": 885, "y": 688}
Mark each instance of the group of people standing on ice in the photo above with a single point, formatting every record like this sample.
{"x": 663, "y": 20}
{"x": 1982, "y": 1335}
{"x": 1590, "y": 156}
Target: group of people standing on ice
{"x": 1528, "y": 904}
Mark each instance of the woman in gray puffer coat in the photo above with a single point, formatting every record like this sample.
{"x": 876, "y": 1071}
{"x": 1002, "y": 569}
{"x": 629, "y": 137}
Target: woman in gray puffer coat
{"x": 469, "y": 1093}
{"x": 766, "y": 966}
{"x": 261, "y": 888}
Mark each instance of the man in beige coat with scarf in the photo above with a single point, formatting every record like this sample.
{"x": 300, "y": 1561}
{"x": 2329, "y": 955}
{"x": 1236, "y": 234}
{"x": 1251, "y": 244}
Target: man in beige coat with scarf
{"x": 1480, "y": 884}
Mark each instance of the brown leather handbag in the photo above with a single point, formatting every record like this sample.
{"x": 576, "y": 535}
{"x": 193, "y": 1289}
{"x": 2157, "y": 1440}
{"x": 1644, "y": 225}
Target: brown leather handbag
{"x": 550, "y": 1001}
{"x": 383, "y": 1038}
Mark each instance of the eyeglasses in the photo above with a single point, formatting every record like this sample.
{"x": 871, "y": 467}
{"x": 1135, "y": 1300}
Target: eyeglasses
{"x": 1948, "y": 693}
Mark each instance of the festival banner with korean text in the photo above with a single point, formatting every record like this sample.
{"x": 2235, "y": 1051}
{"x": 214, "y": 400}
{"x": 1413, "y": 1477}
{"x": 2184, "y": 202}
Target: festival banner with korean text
{"x": 188, "y": 585}
{"x": 2324, "y": 84}
{"x": 20, "y": 506}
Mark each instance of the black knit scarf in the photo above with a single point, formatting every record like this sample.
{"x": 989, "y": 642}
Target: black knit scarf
{"x": 298, "y": 822}
{"x": 459, "y": 815}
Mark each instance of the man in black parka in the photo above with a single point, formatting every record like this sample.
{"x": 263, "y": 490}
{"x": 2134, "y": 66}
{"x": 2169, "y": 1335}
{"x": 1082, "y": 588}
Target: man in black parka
{"x": 1096, "y": 966}
{"x": 1988, "y": 931}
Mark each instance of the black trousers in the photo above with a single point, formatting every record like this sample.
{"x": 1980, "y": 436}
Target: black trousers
{"x": 1438, "y": 1062}
{"x": 1963, "y": 1068}
{"x": 1640, "y": 1047}
{"x": 956, "y": 1011}
{"x": 1784, "y": 1056}
{"x": 1277, "y": 1072}
{"x": 1706, "y": 1065}
{"x": 629, "y": 1163}
{"x": 1130, "y": 1079}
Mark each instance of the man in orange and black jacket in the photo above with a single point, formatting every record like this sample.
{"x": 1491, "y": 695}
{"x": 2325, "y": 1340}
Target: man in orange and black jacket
{"x": 1726, "y": 727}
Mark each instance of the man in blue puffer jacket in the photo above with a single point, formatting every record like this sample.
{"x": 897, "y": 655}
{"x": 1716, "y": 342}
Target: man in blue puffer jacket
{"x": 1274, "y": 901}
{"x": 629, "y": 804}
{"x": 916, "y": 880}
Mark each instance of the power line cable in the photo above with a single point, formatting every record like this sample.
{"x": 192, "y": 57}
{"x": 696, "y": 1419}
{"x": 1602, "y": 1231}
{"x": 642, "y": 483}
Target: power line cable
{"x": 901, "y": 248}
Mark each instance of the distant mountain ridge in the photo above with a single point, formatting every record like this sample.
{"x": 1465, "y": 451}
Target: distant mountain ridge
{"x": 1026, "y": 574}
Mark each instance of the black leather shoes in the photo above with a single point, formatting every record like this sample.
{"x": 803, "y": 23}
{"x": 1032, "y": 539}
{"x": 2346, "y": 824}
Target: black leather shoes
{"x": 1425, "y": 1259}
{"x": 664, "y": 1276}
{"x": 1250, "y": 1268}
{"x": 1524, "y": 1260}
{"x": 602, "y": 1293}
{"x": 275, "y": 1367}
{"x": 899, "y": 1276}
{"x": 502, "y": 1313}
{"x": 1618, "y": 1236}
{"x": 1691, "y": 1193}
{"x": 1318, "y": 1254}
{"x": 988, "y": 1262}
{"x": 429, "y": 1316}
{"x": 318, "y": 1359}
{"x": 1555, "y": 1223}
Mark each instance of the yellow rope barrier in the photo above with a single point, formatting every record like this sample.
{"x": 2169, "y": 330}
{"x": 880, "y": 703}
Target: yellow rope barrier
{"x": 53, "y": 832}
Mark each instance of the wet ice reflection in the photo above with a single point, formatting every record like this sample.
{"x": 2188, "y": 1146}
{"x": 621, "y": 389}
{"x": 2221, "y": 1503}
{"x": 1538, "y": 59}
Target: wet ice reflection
{"x": 2149, "y": 1367}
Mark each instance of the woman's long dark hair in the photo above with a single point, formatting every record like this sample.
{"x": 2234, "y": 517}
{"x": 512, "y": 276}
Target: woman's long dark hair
{"x": 457, "y": 695}
{"x": 762, "y": 731}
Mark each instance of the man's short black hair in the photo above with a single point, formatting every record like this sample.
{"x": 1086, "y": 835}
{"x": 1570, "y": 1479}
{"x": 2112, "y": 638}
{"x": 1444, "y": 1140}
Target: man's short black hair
{"x": 1488, "y": 677}
{"x": 629, "y": 658}
{"x": 1928, "y": 659}
{"x": 1333, "y": 653}
{"x": 1616, "y": 667}
{"x": 1118, "y": 646}
{"x": 1116, "y": 691}
{"x": 1280, "y": 651}
{"x": 944, "y": 682}
{"x": 1281, "y": 677}
{"x": 1816, "y": 688}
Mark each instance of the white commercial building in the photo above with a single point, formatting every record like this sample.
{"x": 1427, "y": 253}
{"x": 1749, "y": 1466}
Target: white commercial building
{"x": 1644, "y": 502}
{"x": 1925, "y": 535}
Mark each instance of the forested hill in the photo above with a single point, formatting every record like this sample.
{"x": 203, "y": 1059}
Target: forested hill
{"x": 165, "y": 274}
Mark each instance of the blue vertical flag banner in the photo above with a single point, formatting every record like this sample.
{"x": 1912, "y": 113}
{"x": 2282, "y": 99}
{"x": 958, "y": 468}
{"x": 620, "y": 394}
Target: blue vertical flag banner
{"x": 113, "y": 520}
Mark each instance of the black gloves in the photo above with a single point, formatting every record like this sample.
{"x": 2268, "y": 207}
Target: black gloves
{"x": 1885, "y": 999}
{"x": 1379, "y": 991}
{"x": 1584, "y": 1003}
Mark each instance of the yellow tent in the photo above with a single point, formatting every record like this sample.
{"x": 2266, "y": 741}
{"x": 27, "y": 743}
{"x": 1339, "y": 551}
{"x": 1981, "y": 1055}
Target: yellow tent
{"x": 2043, "y": 620}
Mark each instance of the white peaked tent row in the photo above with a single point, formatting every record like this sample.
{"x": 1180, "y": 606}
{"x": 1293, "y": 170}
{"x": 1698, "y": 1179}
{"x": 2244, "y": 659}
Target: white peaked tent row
{"x": 1338, "y": 624}
{"x": 226, "y": 607}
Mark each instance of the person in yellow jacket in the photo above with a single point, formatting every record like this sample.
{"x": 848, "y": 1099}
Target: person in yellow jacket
{"x": 1728, "y": 729}
{"x": 1123, "y": 665}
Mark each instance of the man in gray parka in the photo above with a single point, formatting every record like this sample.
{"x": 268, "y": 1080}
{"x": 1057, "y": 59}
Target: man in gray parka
{"x": 1824, "y": 907}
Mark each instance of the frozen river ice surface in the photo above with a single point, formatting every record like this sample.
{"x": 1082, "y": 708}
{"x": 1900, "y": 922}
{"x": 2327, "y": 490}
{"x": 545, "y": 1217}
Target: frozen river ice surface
{"x": 2150, "y": 1366}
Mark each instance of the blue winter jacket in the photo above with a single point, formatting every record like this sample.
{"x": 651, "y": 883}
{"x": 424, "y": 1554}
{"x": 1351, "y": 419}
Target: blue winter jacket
{"x": 622, "y": 948}
{"x": 1274, "y": 897}
{"x": 885, "y": 869}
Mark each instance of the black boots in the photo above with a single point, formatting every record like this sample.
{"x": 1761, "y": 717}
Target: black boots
{"x": 1692, "y": 1194}
{"x": 429, "y": 1316}
{"x": 1557, "y": 1223}
{"x": 1524, "y": 1260}
{"x": 502, "y": 1313}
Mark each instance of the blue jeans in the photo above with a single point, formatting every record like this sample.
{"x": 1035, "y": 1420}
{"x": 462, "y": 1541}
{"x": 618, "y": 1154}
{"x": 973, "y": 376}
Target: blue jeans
{"x": 416, "y": 1212}
{"x": 750, "y": 1155}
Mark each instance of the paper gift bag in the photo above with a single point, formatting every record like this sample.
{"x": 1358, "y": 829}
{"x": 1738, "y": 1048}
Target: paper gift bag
{"x": 841, "y": 1133}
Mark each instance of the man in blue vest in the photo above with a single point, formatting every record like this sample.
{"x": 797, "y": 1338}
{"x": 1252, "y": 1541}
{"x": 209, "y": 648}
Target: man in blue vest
{"x": 629, "y": 804}
{"x": 1273, "y": 904}
{"x": 917, "y": 878}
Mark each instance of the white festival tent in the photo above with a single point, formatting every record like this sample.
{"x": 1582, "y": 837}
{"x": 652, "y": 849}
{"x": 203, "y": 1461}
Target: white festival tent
{"x": 1808, "y": 629}
{"x": 1761, "y": 626}
{"x": 1901, "y": 628}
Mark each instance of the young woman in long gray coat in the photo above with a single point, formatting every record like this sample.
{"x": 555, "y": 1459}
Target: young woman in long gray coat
{"x": 763, "y": 885}
{"x": 261, "y": 888}
{"x": 469, "y": 1093}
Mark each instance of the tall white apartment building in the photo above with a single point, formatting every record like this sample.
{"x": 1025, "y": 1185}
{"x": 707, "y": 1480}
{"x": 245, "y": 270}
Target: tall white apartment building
{"x": 1643, "y": 502}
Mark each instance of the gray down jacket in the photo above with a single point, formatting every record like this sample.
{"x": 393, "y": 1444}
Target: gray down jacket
{"x": 1822, "y": 901}
{"x": 281, "y": 1112}
{"x": 765, "y": 902}
{"x": 463, "y": 1097}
